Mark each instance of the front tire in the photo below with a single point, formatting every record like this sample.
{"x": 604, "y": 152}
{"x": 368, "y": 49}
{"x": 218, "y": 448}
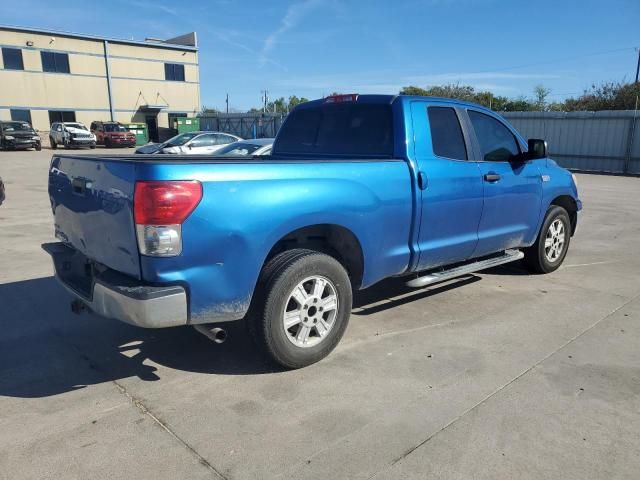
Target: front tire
{"x": 301, "y": 308}
{"x": 548, "y": 252}
{"x": 38, "y": 147}
{"x": 52, "y": 143}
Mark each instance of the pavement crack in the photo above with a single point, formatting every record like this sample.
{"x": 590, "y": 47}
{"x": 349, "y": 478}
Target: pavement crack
{"x": 139, "y": 404}
{"x": 517, "y": 377}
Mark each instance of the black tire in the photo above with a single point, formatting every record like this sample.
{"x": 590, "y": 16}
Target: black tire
{"x": 38, "y": 147}
{"x": 535, "y": 256}
{"x": 107, "y": 143}
{"x": 92, "y": 145}
{"x": 277, "y": 281}
{"x": 53, "y": 143}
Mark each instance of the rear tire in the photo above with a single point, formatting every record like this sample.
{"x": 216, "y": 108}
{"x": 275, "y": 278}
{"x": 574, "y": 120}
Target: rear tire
{"x": 301, "y": 307}
{"x": 548, "y": 252}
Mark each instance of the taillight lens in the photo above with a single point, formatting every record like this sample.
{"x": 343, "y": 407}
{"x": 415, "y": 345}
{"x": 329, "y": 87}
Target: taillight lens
{"x": 160, "y": 208}
{"x": 163, "y": 203}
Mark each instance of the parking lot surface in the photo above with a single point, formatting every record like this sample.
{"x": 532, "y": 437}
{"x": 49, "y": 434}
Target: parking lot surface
{"x": 496, "y": 375}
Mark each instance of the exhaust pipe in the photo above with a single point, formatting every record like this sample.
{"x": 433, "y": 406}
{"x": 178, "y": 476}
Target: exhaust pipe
{"x": 218, "y": 335}
{"x": 78, "y": 307}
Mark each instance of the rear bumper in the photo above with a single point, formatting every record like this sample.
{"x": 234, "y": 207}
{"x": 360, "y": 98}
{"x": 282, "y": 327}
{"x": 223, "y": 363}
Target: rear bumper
{"x": 113, "y": 295}
{"x": 82, "y": 142}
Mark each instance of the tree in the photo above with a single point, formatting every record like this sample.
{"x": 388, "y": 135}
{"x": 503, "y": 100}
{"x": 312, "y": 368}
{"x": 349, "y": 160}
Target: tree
{"x": 540, "y": 94}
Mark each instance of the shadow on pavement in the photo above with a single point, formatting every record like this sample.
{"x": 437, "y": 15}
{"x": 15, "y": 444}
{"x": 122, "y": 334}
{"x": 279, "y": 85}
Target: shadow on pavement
{"x": 47, "y": 350}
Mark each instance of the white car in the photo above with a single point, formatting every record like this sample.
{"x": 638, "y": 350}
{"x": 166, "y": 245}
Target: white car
{"x": 71, "y": 134}
{"x": 191, "y": 143}
{"x": 245, "y": 148}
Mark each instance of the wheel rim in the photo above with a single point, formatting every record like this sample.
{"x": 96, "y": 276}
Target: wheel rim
{"x": 554, "y": 241}
{"x": 310, "y": 312}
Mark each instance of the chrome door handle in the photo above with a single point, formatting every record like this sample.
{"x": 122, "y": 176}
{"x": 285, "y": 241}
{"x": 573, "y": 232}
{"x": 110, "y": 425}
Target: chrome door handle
{"x": 491, "y": 177}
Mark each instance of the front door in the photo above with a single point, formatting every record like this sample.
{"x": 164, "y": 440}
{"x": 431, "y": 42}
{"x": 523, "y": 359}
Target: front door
{"x": 152, "y": 127}
{"x": 449, "y": 190}
{"x": 512, "y": 187}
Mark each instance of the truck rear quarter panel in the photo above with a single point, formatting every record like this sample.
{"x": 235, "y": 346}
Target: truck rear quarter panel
{"x": 248, "y": 207}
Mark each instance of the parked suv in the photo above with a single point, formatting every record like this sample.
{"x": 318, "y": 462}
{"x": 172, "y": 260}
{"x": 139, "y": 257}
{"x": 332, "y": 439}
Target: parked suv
{"x": 113, "y": 134}
{"x": 71, "y": 134}
{"x": 15, "y": 135}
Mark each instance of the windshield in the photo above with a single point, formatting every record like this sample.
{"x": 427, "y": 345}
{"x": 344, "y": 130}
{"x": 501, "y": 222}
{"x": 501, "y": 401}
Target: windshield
{"x": 239, "y": 149}
{"x": 114, "y": 127}
{"x": 16, "y": 126}
{"x": 363, "y": 129}
{"x": 75, "y": 125}
{"x": 181, "y": 139}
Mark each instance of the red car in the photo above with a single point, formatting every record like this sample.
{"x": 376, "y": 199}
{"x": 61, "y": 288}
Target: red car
{"x": 113, "y": 134}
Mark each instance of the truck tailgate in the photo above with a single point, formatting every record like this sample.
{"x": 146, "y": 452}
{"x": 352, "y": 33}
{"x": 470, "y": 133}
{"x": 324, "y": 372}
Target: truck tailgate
{"x": 92, "y": 202}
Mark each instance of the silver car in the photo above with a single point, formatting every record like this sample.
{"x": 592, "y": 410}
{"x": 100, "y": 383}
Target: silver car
{"x": 191, "y": 143}
{"x": 246, "y": 148}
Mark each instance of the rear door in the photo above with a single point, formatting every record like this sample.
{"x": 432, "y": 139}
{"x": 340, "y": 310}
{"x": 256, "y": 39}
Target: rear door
{"x": 450, "y": 190}
{"x": 92, "y": 202}
{"x": 512, "y": 188}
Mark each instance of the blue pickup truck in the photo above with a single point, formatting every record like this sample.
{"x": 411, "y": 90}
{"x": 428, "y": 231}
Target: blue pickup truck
{"x": 358, "y": 188}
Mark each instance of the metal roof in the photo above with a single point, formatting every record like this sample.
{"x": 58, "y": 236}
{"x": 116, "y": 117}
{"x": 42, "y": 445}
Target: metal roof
{"x": 173, "y": 46}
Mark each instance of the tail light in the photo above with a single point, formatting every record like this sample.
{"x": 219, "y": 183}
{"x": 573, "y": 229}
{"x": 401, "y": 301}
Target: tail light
{"x": 159, "y": 210}
{"x": 349, "y": 97}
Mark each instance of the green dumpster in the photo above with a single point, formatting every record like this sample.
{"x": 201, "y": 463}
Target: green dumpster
{"x": 141, "y": 132}
{"x": 184, "y": 124}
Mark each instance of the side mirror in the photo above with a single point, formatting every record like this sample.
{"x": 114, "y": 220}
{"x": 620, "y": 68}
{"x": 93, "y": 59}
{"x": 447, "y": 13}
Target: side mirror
{"x": 536, "y": 149}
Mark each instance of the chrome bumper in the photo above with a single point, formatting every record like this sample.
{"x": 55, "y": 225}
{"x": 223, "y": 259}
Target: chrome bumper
{"x": 116, "y": 296}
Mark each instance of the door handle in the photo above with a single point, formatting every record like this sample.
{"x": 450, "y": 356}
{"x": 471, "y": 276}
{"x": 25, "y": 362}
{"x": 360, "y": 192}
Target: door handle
{"x": 422, "y": 180}
{"x": 492, "y": 177}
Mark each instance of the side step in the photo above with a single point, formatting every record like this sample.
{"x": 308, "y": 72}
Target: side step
{"x": 435, "y": 277}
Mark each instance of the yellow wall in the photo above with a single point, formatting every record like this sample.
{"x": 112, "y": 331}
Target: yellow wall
{"x": 137, "y": 80}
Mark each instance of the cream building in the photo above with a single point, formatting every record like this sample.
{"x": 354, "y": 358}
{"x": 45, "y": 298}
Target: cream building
{"x": 48, "y": 76}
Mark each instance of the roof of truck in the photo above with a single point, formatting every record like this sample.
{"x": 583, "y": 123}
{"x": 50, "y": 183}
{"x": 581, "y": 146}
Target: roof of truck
{"x": 375, "y": 98}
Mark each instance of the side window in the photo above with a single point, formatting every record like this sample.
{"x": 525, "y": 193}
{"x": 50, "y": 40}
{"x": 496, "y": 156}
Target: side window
{"x": 224, "y": 139}
{"x": 203, "y": 141}
{"x": 12, "y": 58}
{"x": 446, "y": 133}
{"x": 496, "y": 141}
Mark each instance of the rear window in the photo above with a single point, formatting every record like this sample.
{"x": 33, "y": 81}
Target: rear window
{"x": 446, "y": 134}
{"x": 338, "y": 129}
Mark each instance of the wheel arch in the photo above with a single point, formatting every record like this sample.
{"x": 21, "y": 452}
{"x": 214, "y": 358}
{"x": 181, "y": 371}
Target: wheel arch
{"x": 332, "y": 239}
{"x": 570, "y": 205}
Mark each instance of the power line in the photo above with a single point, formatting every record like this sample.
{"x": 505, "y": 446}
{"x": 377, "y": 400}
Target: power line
{"x": 551, "y": 62}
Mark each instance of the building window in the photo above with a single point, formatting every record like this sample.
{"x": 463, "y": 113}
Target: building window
{"x": 21, "y": 115}
{"x": 55, "y": 62}
{"x": 174, "y": 72}
{"x": 12, "y": 58}
{"x": 61, "y": 116}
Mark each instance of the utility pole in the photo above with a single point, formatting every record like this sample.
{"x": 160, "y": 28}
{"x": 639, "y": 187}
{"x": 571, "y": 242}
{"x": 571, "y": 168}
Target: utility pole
{"x": 227, "y": 101}
{"x": 638, "y": 67}
{"x": 265, "y": 100}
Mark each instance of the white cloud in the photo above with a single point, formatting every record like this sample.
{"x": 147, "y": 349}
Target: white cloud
{"x": 294, "y": 14}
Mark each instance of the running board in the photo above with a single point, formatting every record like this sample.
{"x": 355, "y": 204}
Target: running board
{"x": 435, "y": 277}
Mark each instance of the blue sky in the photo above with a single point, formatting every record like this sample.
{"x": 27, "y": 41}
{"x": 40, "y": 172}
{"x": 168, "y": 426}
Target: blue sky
{"x": 314, "y": 47}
